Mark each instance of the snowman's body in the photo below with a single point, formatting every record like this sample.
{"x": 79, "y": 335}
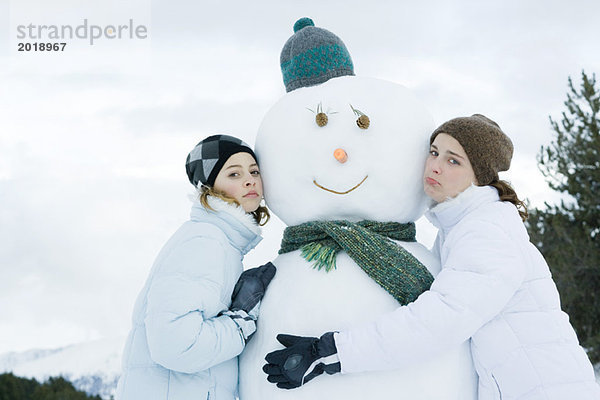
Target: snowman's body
{"x": 305, "y": 182}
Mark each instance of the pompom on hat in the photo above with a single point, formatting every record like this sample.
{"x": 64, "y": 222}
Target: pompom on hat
{"x": 487, "y": 146}
{"x": 313, "y": 56}
{"x": 205, "y": 161}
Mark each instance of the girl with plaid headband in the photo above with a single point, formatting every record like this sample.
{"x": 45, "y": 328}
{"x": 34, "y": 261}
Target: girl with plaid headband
{"x": 191, "y": 319}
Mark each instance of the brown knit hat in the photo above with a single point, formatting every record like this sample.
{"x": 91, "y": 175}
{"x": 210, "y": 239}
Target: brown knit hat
{"x": 488, "y": 148}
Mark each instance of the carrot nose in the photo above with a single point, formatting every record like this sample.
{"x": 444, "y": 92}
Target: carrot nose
{"x": 340, "y": 155}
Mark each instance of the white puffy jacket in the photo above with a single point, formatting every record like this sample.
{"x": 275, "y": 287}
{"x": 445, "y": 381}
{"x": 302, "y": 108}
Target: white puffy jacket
{"x": 494, "y": 288}
{"x": 179, "y": 348}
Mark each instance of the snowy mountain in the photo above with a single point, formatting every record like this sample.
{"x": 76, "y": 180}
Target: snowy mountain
{"x": 93, "y": 367}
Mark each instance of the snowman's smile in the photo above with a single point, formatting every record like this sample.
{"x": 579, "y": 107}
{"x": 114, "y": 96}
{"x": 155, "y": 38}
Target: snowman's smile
{"x": 344, "y": 192}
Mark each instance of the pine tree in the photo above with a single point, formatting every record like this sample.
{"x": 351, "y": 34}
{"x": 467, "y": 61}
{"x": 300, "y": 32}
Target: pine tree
{"x": 14, "y": 388}
{"x": 17, "y": 388}
{"x": 59, "y": 389}
{"x": 568, "y": 234}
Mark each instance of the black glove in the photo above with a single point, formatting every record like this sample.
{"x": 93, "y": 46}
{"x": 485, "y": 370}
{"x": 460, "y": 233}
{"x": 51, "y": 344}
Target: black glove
{"x": 245, "y": 299}
{"x": 250, "y": 288}
{"x": 303, "y": 359}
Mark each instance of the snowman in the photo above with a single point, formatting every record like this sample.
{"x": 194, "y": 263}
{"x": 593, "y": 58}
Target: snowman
{"x": 345, "y": 152}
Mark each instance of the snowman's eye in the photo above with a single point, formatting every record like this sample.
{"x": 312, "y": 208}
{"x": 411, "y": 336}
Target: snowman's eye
{"x": 363, "y": 121}
{"x": 320, "y": 118}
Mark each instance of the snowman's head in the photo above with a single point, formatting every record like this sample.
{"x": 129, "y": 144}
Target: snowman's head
{"x": 340, "y": 170}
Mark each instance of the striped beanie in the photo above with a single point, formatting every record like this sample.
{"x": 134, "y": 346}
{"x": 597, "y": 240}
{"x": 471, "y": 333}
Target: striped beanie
{"x": 313, "y": 56}
{"x": 488, "y": 148}
{"x": 205, "y": 161}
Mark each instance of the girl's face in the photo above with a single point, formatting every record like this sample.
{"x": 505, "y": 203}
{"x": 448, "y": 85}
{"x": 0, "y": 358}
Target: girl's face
{"x": 240, "y": 179}
{"x": 448, "y": 170}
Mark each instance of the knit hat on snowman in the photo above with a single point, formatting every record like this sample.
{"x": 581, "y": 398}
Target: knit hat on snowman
{"x": 313, "y": 56}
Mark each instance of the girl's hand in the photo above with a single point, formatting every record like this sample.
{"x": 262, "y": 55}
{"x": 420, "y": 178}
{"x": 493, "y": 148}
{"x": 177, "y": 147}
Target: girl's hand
{"x": 250, "y": 288}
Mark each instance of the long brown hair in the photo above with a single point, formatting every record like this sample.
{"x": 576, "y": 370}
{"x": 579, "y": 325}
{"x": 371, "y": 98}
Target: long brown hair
{"x": 259, "y": 214}
{"x": 507, "y": 193}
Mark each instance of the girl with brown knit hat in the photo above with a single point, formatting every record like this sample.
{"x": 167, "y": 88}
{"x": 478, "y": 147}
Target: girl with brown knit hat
{"x": 495, "y": 289}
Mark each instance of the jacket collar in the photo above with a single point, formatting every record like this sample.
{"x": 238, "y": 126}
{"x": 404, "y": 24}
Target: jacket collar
{"x": 239, "y": 227}
{"x": 448, "y": 213}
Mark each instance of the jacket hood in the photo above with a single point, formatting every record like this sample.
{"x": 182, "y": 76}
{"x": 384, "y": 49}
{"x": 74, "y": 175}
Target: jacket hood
{"x": 240, "y": 227}
{"x": 446, "y": 214}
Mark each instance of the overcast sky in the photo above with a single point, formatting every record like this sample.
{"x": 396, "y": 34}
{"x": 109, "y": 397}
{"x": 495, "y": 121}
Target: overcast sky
{"x": 93, "y": 139}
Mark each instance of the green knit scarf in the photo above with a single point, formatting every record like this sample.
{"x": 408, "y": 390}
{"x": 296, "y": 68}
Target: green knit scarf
{"x": 368, "y": 244}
